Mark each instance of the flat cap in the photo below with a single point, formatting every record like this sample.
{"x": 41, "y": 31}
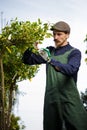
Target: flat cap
{"x": 61, "y": 26}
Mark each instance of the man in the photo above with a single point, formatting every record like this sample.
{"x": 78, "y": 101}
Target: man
{"x": 62, "y": 104}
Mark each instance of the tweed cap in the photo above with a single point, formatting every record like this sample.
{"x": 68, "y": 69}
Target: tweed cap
{"x": 61, "y": 26}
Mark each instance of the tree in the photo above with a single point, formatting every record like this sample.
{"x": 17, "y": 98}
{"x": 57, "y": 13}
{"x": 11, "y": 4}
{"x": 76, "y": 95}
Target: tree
{"x": 14, "y": 39}
{"x": 84, "y": 95}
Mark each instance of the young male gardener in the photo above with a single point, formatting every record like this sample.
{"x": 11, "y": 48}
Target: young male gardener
{"x": 62, "y": 102}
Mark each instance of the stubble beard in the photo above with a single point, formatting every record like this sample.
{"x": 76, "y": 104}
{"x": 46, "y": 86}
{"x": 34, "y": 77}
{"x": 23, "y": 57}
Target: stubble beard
{"x": 59, "y": 43}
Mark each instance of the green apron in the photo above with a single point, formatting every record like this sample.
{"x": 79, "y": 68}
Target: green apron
{"x": 62, "y": 101}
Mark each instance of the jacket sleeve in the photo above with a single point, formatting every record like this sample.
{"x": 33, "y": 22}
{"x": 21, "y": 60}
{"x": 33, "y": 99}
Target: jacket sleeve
{"x": 31, "y": 58}
{"x": 73, "y": 64}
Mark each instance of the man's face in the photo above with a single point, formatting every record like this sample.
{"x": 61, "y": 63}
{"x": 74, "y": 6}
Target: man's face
{"x": 60, "y": 38}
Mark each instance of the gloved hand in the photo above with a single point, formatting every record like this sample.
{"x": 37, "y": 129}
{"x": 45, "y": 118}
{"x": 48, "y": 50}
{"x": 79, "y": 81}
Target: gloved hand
{"x": 45, "y": 54}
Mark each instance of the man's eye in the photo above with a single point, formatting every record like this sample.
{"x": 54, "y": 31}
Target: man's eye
{"x": 58, "y": 34}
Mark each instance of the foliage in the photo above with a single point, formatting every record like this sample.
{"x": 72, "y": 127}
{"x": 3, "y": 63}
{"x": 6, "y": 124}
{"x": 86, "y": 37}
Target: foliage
{"x": 15, "y": 38}
{"x": 15, "y": 123}
{"x": 86, "y": 49}
{"x": 84, "y": 95}
{"x": 84, "y": 98}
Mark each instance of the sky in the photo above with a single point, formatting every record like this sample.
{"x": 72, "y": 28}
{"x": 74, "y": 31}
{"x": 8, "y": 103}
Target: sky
{"x": 30, "y": 106}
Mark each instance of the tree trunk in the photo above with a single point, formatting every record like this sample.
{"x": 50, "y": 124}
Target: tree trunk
{"x": 11, "y": 98}
{"x": 2, "y": 98}
{"x": 9, "y": 109}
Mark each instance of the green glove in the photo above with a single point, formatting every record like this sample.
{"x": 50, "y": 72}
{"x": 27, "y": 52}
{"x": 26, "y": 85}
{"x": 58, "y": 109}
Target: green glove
{"x": 45, "y": 54}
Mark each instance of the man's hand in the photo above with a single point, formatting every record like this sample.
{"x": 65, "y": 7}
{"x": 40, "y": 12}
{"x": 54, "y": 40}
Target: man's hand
{"x": 36, "y": 45}
{"x": 45, "y": 54}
